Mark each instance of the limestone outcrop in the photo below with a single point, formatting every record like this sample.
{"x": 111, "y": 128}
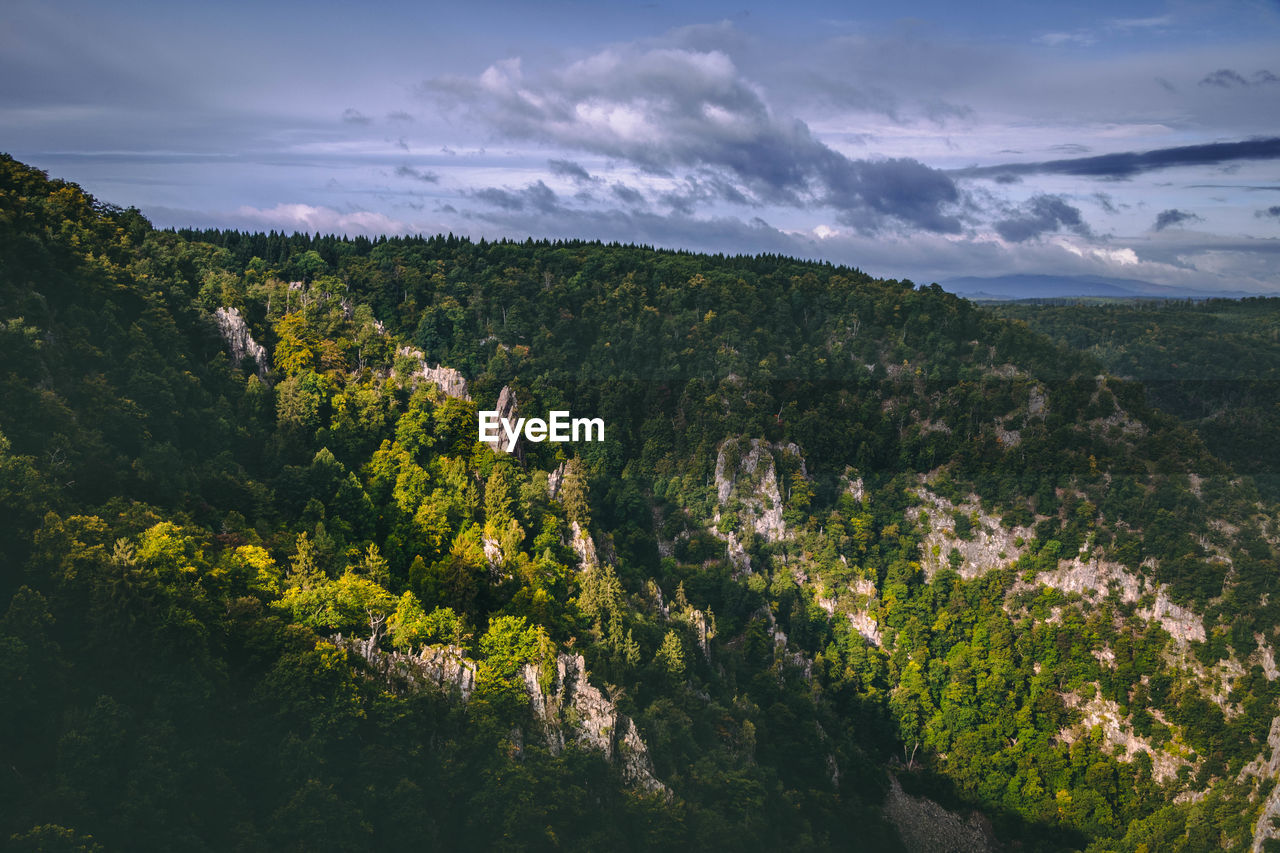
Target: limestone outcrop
{"x": 1119, "y": 736}
{"x": 450, "y": 382}
{"x": 584, "y": 547}
{"x": 509, "y": 411}
{"x": 572, "y": 709}
{"x": 989, "y": 544}
{"x": 746, "y": 482}
{"x": 444, "y": 667}
{"x": 240, "y": 343}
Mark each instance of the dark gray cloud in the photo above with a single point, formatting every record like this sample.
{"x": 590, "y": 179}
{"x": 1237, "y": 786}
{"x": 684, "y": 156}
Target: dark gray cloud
{"x": 351, "y": 115}
{"x": 1272, "y": 212}
{"x": 705, "y": 186}
{"x": 417, "y": 174}
{"x": 1106, "y": 202}
{"x": 1225, "y": 78}
{"x": 535, "y": 197}
{"x": 627, "y": 195}
{"x": 1042, "y": 214}
{"x": 399, "y": 115}
{"x": 667, "y": 109}
{"x": 570, "y": 169}
{"x": 1173, "y": 217}
{"x": 1130, "y": 163}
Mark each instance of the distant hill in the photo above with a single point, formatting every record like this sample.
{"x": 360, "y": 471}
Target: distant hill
{"x": 1007, "y": 287}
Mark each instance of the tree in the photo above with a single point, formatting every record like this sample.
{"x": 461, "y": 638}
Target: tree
{"x": 347, "y": 605}
{"x": 670, "y": 657}
{"x": 411, "y": 627}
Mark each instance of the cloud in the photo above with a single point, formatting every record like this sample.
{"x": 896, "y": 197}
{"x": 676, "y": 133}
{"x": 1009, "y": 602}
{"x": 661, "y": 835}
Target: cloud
{"x": 1080, "y": 38}
{"x": 325, "y": 220}
{"x": 1172, "y": 218}
{"x": 1042, "y": 214}
{"x": 668, "y": 109}
{"x": 536, "y": 196}
{"x": 351, "y": 115}
{"x": 399, "y": 115}
{"x": 701, "y": 188}
{"x": 1106, "y": 202}
{"x": 1130, "y": 163}
{"x": 1225, "y": 78}
{"x": 417, "y": 174}
{"x": 1272, "y": 212}
{"x": 627, "y": 195}
{"x": 570, "y": 169}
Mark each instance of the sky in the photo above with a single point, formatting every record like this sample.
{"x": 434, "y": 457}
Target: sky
{"x": 921, "y": 140}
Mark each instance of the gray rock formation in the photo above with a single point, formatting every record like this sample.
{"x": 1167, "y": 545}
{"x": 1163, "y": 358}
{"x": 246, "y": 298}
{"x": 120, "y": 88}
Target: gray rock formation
{"x": 990, "y": 545}
{"x": 509, "y": 411}
{"x": 574, "y": 707}
{"x": 750, "y": 477}
{"x": 444, "y": 667}
{"x": 1264, "y": 769}
{"x": 450, "y": 382}
{"x": 584, "y": 547}
{"x": 240, "y": 344}
{"x": 926, "y": 827}
{"x": 555, "y": 478}
{"x": 1118, "y": 735}
{"x": 572, "y": 710}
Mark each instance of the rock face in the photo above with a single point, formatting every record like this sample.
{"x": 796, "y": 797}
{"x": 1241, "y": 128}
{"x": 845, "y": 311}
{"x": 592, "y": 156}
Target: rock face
{"x": 573, "y": 706}
{"x": 571, "y": 710}
{"x": 492, "y": 552}
{"x": 860, "y": 619}
{"x": 584, "y": 547}
{"x": 749, "y": 477}
{"x": 444, "y": 667}
{"x": 509, "y": 411}
{"x": 926, "y": 827}
{"x": 1095, "y": 578}
{"x": 1119, "y": 736}
{"x": 1265, "y": 769}
{"x": 240, "y": 344}
{"x": 450, "y": 382}
{"x": 990, "y": 545}
{"x": 555, "y": 478}
{"x": 1266, "y": 657}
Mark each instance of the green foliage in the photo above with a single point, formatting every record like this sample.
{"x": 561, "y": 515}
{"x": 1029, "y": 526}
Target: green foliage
{"x": 348, "y": 605}
{"x": 412, "y": 628}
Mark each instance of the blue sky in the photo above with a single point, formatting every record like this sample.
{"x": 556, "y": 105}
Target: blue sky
{"x": 921, "y": 140}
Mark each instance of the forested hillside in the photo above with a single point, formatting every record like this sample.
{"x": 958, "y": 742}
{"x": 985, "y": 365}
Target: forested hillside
{"x": 849, "y": 544}
{"x": 1215, "y": 364}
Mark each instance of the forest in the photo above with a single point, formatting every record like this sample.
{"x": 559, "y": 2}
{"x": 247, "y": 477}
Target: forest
{"x": 851, "y": 545}
{"x": 1213, "y": 363}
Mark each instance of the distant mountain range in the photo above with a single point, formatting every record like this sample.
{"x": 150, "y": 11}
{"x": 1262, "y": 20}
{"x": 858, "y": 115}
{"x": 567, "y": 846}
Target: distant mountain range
{"x": 1007, "y": 287}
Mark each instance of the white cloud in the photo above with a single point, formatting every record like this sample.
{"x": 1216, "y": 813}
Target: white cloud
{"x": 326, "y": 220}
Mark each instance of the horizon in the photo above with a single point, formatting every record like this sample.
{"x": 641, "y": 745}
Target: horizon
{"x": 1133, "y": 141}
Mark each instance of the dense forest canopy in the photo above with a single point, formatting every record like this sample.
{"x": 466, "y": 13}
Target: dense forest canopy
{"x": 849, "y": 543}
{"x": 1213, "y": 363}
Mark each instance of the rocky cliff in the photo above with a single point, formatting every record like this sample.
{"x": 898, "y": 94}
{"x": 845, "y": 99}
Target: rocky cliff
{"x": 570, "y": 710}
{"x": 746, "y": 483}
{"x": 450, "y": 382}
{"x": 574, "y": 710}
{"x": 240, "y": 344}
